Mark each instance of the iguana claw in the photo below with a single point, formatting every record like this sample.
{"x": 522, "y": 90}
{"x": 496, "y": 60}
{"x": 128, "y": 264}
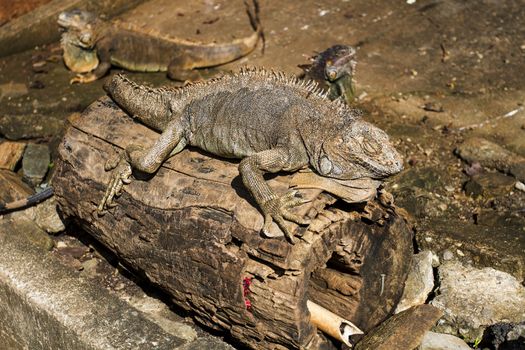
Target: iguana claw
{"x": 83, "y": 78}
{"x": 120, "y": 177}
{"x": 276, "y": 209}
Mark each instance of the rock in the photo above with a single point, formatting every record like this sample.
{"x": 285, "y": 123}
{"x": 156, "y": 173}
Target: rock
{"x": 89, "y": 267}
{"x": 35, "y": 163}
{"x": 504, "y": 336}
{"x": 447, "y": 255}
{"x": 46, "y": 217}
{"x": 489, "y": 185}
{"x": 492, "y": 155}
{"x": 473, "y": 299}
{"x": 439, "y": 341}
{"x": 12, "y": 90}
{"x": 208, "y": 343}
{"x": 402, "y": 331}
{"x": 419, "y": 283}
{"x": 10, "y": 154}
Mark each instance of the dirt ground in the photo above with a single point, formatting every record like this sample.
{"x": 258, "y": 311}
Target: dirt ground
{"x": 12, "y": 9}
{"x": 432, "y": 74}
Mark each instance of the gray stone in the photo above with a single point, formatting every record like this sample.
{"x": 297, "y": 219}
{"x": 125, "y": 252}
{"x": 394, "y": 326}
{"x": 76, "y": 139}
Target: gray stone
{"x": 45, "y": 305}
{"x": 46, "y": 217}
{"x": 35, "y": 163}
{"x": 492, "y": 155}
{"x": 207, "y": 343}
{"x": 159, "y": 313}
{"x": 439, "y": 341}
{"x": 473, "y": 299}
{"x": 419, "y": 282}
{"x": 447, "y": 255}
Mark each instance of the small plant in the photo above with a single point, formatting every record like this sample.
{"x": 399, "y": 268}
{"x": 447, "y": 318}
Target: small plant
{"x": 476, "y": 342}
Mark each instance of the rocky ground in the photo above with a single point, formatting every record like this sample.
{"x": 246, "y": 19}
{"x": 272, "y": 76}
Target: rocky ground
{"x": 443, "y": 78}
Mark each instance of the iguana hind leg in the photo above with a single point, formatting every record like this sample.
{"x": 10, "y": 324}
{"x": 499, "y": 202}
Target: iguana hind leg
{"x": 144, "y": 160}
{"x": 181, "y": 68}
{"x": 274, "y": 208}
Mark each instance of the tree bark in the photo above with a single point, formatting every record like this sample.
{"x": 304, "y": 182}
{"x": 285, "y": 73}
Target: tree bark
{"x": 193, "y": 230}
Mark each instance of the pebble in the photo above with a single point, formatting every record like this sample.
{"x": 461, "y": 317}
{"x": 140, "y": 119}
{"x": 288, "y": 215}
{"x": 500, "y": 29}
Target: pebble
{"x": 448, "y": 255}
{"x": 35, "y": 163}
{"x": 520, "y": 186}
{"x": 439, "y": 341}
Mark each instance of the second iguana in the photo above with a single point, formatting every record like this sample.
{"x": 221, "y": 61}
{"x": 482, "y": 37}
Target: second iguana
{"x": 91, "y": 46}
{"x": 269, "y": 120}
{"x": 334, "y": 71}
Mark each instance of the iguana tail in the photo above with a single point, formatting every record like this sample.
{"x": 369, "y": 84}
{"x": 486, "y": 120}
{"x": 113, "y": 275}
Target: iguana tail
{"x": 210, "y": 55}
{"x": 148, "y": 105}
{"x": 26, "y": 202}
{"x": 255, "y": 21}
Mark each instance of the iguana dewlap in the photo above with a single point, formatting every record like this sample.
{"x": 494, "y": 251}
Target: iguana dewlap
{"x": 91, "y": 46}
{"x": 270, "y": 121}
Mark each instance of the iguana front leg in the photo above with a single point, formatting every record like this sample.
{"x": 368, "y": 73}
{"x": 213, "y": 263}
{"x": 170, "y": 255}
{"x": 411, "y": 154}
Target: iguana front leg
{"x": 101, "y": 70}
{"x": 273, "y": 207}
{"x": 98, "y": 73}
{"x": 144, "y": 160}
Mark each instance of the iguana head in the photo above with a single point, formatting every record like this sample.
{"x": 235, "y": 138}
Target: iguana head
{"x": 78, "y": 40}
{"x": 82, "y": 25}
{"x": 358, "y": 150}
{"x": 336, "y": 67}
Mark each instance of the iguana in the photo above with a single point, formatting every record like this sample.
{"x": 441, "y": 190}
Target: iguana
{"x": 271, "y": 121}
{"x": 91, "y": 45}
{"x": 334, "y": 71}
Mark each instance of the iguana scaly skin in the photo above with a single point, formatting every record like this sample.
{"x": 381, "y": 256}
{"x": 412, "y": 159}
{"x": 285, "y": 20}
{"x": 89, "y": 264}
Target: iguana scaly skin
{"x": 270, "y": 121}
{"x": 91, "y": 46}
{"x": 334, "y": 71}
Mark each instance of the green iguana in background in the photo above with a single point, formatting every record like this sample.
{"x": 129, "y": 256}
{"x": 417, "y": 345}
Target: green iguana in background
{"x": 334, "y": 71}
{"x": 270, "y": 121}
{"x": 91, "y": 46}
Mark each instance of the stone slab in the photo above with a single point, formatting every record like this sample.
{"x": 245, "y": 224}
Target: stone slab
{"x": 44, "y": 305}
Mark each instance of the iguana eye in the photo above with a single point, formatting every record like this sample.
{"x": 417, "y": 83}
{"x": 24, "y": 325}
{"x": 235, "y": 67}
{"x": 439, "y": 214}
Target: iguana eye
{"x": 325, "y": 166}
{"x": 371, "y": 147}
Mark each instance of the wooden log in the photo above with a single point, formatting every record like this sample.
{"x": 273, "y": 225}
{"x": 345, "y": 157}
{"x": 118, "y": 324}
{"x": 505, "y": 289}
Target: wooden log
{"x": 193, "y": 230}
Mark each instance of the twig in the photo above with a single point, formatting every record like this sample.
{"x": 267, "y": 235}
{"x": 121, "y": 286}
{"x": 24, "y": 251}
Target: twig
{"x": 507, "y": 115}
